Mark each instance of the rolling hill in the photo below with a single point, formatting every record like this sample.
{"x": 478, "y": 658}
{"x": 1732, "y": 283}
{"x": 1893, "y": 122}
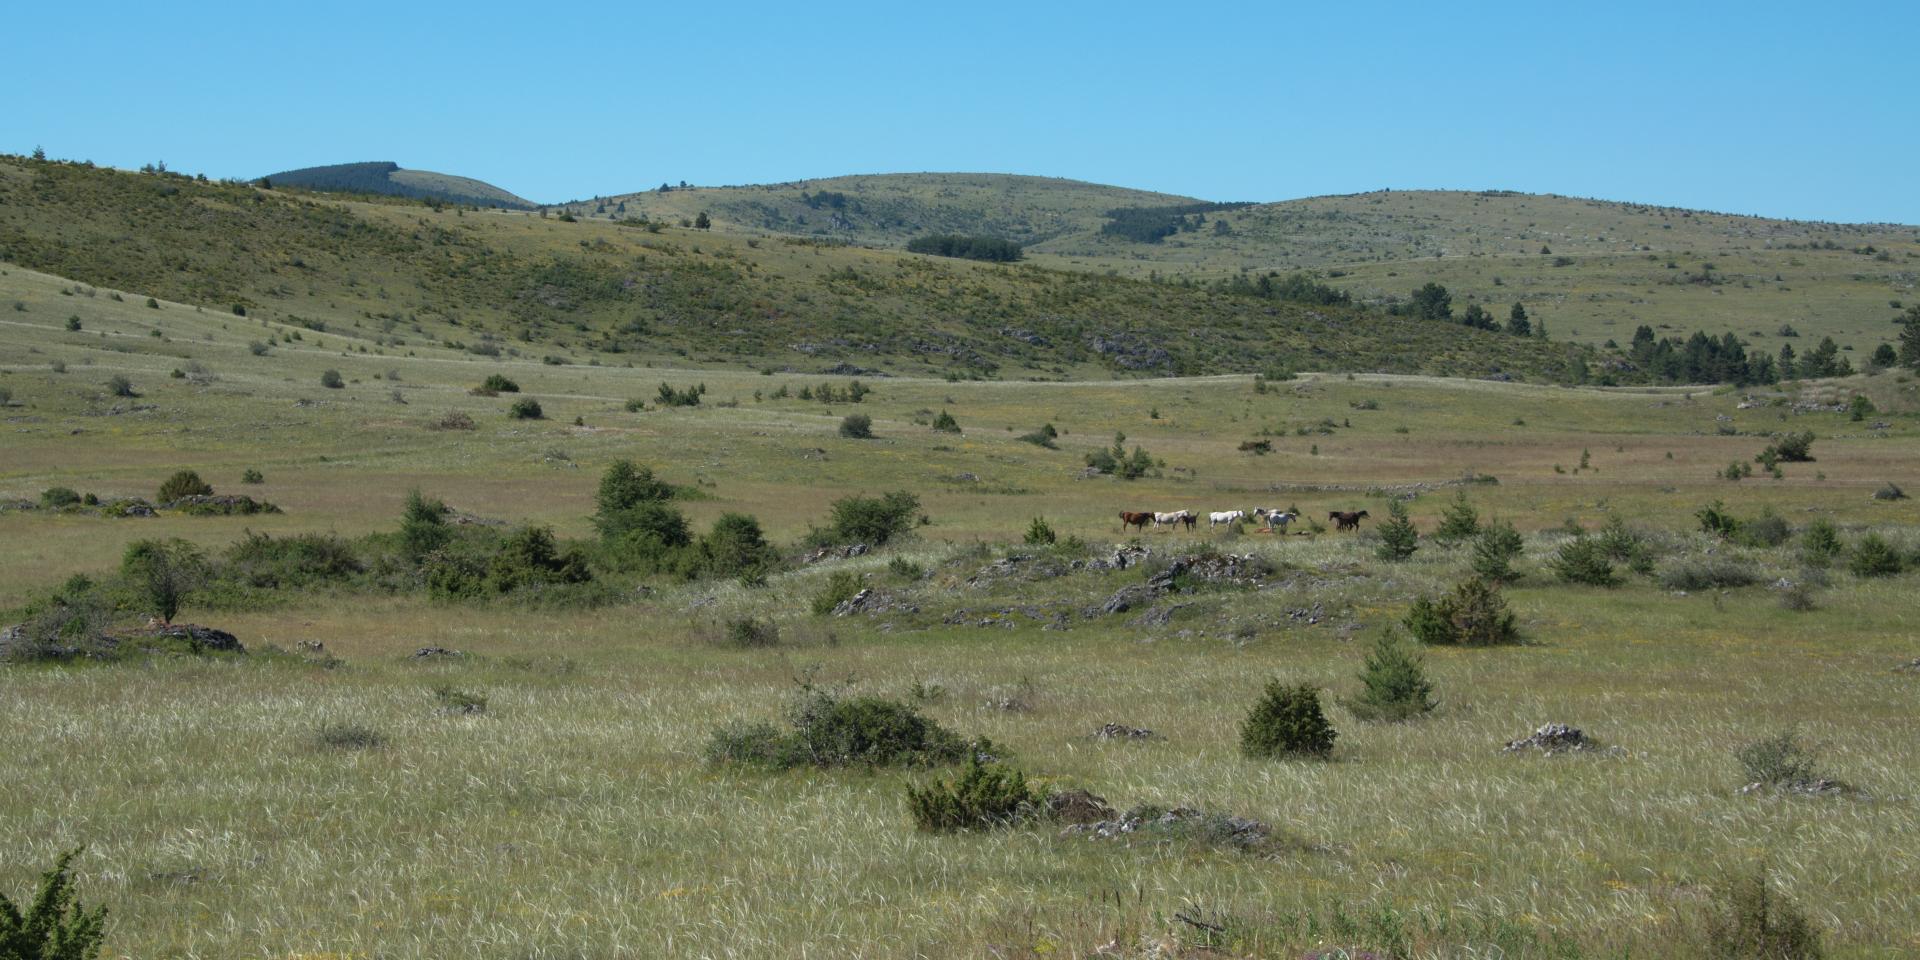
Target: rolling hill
{"x": 401, "y": 276}
{"x": 1594, "y": 269}
{"x": 388, "y": 179}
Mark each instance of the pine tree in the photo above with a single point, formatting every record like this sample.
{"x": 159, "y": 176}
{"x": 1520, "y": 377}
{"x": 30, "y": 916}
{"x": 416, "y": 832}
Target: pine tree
{"x": 1517, "y": 322}
{"x": 1393, "y": 685}
{"x": 1398, "y": 538}
{"x": 1494, "y": 551}
{"x": 1459, "y": 521}
{"x": 1910, "y": 338}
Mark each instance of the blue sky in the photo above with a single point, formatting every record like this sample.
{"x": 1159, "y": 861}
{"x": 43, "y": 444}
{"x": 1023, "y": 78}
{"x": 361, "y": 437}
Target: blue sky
{"x": 1800, "y": 110}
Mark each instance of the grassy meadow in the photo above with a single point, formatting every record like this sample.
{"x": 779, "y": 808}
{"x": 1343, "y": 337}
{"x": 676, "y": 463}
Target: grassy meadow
{"x": 577, "y": 818}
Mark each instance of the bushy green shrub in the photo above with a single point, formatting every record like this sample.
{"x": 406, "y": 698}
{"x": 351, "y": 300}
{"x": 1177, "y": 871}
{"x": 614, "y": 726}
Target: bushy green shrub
{"x": 1287, "y": 722}
{"x": 1583, "y": 560}
{"x": 1621, "y": 543}
{"x": 54, "y": 925}
{"x": 735, "y": 546}
{"x": 1782, "y": 761}
{"x": 526, "y": 408}
{"x": 840, "y": 587}
{"x": 826, "y": 730}
{"x": 1040, "y": 533}
{"x": 120, "y": 386}
{"x": 745, "y": 633}
{"x": 252, "y": 476}
{"x": 302, "y": 560}
{"x": 1790, "y": 448}
{"x": 1494, "y": 551}
{"x": 650, "y": 537}
{"x": 983, "y": 796}
{"x": 945, "y": 423}
{"x": 1398, "y": 538}
{"x": 497, "y": 384}
{"x": 423, "y": 525}
{"x": 331, "y": 380}
{"x": 856, "y": 426}
{"x": 1766, "y": 530}
{"x": 185, "y": 483}
{"x": 1118, "y": 462}
{"x": 1873, "y": 556}
{"x": 1473, "y": 615}
{"x": 868, "y": 520}
{"x": 1394, "y": 686}
{"x": 348, "y": 736}
{"x": 53, "y": 498}
{"x": 1714, "y": 519}
{"x": 454, "y": 700}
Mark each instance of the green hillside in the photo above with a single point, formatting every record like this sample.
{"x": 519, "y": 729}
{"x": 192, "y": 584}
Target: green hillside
{"x": 1609, "y": 267}
{"x": 888, "y": 209}
{"x": 399, "y": 277}
{"x": 388, "y": 179}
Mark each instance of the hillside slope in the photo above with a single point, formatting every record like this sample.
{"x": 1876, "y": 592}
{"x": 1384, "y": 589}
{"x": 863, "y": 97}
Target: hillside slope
{"x": 388, "y": 179}
{"x": 390, "y": 274}
{"x": 889, "y": 209}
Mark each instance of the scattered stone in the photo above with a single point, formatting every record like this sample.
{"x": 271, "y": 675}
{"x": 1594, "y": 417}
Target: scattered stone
{"x": 1078, "y": 807}
{"x": 836, "y": 553}
{"x": 436, "y": 653}
{"x": 1310, "y": 616}
{"x": 1819, "y": 787}
{"x": 1553, "y": 738}
{"x": 1123, "y": 557}
{"x": 1120, "y": 731}
{"x": 1213, "y": 828}
{"x": 1911, "y": 666}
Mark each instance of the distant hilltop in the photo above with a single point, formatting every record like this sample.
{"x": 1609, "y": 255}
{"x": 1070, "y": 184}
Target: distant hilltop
{"x": 387, "y": 178}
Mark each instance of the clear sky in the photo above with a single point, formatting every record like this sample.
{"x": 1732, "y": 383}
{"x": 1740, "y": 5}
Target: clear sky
{"x": 1808, "y": 110}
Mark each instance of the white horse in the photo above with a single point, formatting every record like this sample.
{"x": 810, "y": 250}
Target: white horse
{"x": 1276, "y": 520}
{"x": 1174, "y": 518}
{"x": 1228, "y": 517}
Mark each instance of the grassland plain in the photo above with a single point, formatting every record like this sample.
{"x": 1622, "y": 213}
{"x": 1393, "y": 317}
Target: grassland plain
{"x": 575, "y": 817}
{"x": 1607, "y": 268}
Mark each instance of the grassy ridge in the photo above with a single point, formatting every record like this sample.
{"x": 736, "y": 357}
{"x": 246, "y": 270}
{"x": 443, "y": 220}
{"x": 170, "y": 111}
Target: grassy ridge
{"x": 392, "y": 276}
{"x": 1608, "y": 270}
{"x": 386, "y": 178}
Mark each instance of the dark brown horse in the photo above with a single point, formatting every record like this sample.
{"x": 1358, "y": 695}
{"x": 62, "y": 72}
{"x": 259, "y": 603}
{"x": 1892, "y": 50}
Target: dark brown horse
{"x": 1129, "y": 518}
{"x": 1347, "y": 519}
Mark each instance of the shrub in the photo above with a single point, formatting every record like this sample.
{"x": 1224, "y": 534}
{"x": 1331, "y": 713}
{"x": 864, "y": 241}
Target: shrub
{"x": 348, "y": 736}
{"x": 1287, "y": 722}
{"x": 497, "y": 384}
{"x": 840, "y": 587}
{"x": 735, "y": 546}
{"x": 1583, "y": 560}
{"x": 905, "y": 569}
{"x": 1474, "y": 615}
{"x": 302, "y": 560}
{"x": 1494, "y": 551}
{"x": 1889, "y": 491}
{"x": 1459, "y": 521}
{"x": 650, "y": 537}
{"x": 1042, "y": 437}
{"x": 257, "y": 348}
{"x": 252, "y": 476}
{"x": 983, "y": 796}
{"x": 748, "y": 633}
{"x": 1040, "y": 534}
{"x": 57, "y": 497}
{"x": 1874, "y": 557}
{"x": 1750, "y": 920}
{"x": 1782, "y": 761}
{"x": 1766, "y": 530}
{"x": 423, "y": 525}
{"x": 1708, "y": 573}
{"x": 869, "y": 520}
{"x": 1820, "y": 543}
{"x": 1398, "y": 538}
{"x": 1116, "y": 461}
{"x": 185, "y": 483}
{"x": 857, "y": 426}
{"x": 331, "y": 380}
{"x": 526, "y": 408}
{"x": 163, "y": 572}
{"x": 945, "y": 423}
{"x": 1791, "y": 448}
{"x": 54, "y": 925}
{"x": 1393, "y": 685}
{"x": 120, "y": 386}
{"x": 6, "y": 396}
{"x": 453, "y": 420}
{"x": 1714, "y": 519}
{"x": 826, "y": 730}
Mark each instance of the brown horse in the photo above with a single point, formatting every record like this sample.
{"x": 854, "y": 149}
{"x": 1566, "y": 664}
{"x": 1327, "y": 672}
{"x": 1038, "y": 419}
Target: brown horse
{"x": 1129, "y": 518}
{"x": 1347, "y": 519}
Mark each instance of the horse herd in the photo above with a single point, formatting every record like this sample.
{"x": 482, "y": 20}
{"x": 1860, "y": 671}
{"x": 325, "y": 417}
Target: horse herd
{"x": 1273, "y": 520}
